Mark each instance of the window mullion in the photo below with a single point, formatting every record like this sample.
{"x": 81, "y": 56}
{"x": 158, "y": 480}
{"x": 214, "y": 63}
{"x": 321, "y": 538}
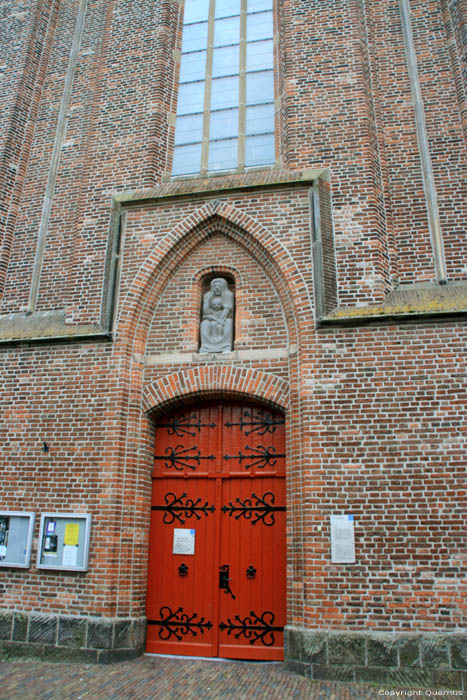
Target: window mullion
{"x": 242, "y": 87}
{"x": 208, "y": 88}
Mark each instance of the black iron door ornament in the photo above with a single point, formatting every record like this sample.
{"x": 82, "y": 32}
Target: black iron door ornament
{"x": 176, "y": 508}
{"x": 259, "y": 457}
{"x": 181, "y": 425}
{"x": 178, "y": 624}
{"x": 262, "y": 509}
{"x": 224, "y": 580}
{"x": 256, "y": 422}
{"x": 180, "y": 457}
{"x": 253, "y": 627}
{"x": 182, "y": 570}
{"x": 251, "y": 572}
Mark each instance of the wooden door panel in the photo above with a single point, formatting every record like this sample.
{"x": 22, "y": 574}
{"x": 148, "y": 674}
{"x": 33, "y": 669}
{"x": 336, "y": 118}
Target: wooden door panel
{"x": 252, "y": 538}
{"x": 181, "y": 606}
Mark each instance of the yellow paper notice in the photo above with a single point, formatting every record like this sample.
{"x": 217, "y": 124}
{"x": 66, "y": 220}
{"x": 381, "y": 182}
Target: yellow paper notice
{"x": 71, "y": 533}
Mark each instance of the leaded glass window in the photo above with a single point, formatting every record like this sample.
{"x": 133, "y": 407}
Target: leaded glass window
{"x": 225, "y": 114}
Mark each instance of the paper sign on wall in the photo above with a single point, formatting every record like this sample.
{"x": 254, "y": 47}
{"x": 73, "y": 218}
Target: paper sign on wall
{"x": 70, "y": 555}
{"x": 342, "y": 539}
{"x": 184, "y": 541}
{"x": 71, "y": 534}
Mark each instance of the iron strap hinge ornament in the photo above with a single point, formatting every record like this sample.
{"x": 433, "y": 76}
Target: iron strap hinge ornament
{"x": 261, "y": 424}
{"x": 261, "y": 509}
{"x": 181, "y": 425}
{"x": 176, "y": 508}
{"x": 180, "y": 457}
{"x": 178, "y": 624}
{"x": 260, "y": 457}
{"x": 253, "y": 627}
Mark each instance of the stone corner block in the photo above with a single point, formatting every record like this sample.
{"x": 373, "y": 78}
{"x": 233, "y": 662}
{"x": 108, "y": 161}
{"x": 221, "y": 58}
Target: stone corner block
{"x": 293, "y": 638}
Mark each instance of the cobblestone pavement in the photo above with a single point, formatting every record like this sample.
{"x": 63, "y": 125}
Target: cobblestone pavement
{"x": 165, "y": 678}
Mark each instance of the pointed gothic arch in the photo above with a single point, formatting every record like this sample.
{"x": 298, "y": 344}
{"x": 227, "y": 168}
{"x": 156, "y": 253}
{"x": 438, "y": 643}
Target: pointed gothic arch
{"x": 220, "y": 218}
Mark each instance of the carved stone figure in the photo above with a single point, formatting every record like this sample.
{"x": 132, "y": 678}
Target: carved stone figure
{"x": 217, "y": 324}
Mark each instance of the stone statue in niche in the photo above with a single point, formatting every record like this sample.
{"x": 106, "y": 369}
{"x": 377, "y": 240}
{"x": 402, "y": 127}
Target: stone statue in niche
{"x": 216, "y": 329}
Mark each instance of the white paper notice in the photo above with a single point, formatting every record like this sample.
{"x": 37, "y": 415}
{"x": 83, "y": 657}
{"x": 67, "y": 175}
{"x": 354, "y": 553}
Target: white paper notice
{"x": 70, "y": 555}
{"x": 184, "y": 541}
{"x": 342, "y": 539}
{"x": 2, "y": 550}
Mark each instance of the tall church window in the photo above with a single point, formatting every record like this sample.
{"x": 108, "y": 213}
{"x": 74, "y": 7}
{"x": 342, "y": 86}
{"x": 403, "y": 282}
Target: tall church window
{"x": 225, "y": 114}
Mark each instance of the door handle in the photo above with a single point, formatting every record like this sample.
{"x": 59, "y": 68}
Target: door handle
{"x": 224, "y": 580}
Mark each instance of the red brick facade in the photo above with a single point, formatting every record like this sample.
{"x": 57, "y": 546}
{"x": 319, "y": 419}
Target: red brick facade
{"x": 340, "y": 320}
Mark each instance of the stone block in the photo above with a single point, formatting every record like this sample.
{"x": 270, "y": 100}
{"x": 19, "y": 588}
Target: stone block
{"x": 22, "y": 650}
{"x": 382, "y": 650}
{"x": 298, "y": 667}
{"x": 43, "y": 629}
{"x": 293, "y": 639}
{"x": 20, "y": 627}
{"x": 435, "y": 653}
{"x": 314, "y": 647}
{"x": 6, "y": 623}
{"x": 71, "y": 632}
{"x": 402, "y": 677}
{"x": 139, "y": 632}
{"x": 123, "y": 634}
{"x": 447, "y": 679}
{"x": 67, "y": 655}
{"x": 100, "y": 634}
{"x": 459, "y": 652}
{"x": 116, "y": 655}
{"x": 332, "y": 673}
{"x": 409, "y": 652}
{"x": 346, "y": 649}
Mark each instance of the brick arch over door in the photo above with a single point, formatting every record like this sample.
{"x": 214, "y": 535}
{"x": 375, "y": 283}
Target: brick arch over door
{"x": 214, "y": 380}
{"x": 220, "y": 217}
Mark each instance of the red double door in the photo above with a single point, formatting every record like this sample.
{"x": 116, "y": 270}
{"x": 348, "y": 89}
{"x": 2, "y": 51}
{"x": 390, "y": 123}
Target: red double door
{"x": 216, "y": 584}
